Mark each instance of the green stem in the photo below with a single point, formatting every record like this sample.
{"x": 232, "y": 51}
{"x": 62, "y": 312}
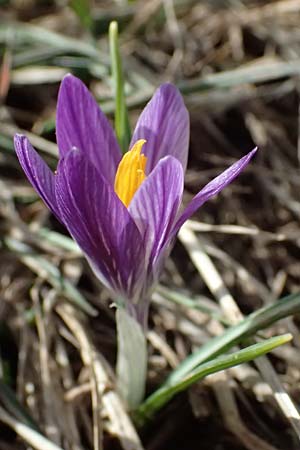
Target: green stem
{"x": 131, "y": 359}
{"x": 122, "y": 126}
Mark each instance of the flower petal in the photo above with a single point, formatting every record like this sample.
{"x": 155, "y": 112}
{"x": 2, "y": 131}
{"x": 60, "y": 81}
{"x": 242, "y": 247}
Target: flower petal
{"x": 37, "y": 172}
{"x": 164, "y": 124}
{"x": 100, "y": 224}
{"x": 211, "y": 189}
{"x": 155, "y": 205}
{"x": 80, "y": 123}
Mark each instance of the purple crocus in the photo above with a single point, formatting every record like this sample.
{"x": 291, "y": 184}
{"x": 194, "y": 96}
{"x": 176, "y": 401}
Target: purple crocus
{"x": 124, "y": 212}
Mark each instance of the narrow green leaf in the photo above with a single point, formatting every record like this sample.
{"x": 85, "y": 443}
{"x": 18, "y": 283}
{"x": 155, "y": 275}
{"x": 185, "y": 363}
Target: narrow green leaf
{"x": 21, "y": 34}
{"x": 132, "y": 359}
{"x": 122, "y": 126}
{"x": 31, "y": 436}
{"x": 163, "y": 395}
{"x": 59, "y": 240}
{"x": 259, "y": 73}
{"x": 51, "y": 273}
{"x": 83, "y": 11}
{"x": 12, "y": 404}
{"x": 6, "y": 143}
{"x": 256, "y": 321}
{"x": 179, "y": 298}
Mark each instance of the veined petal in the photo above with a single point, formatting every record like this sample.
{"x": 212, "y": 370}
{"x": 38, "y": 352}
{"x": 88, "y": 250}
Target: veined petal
{"x": 100, "y": 224}
{"x": 155, "y": 205}
{"x": 165, "y": 125}
{"x": 37, "y": 172}
{"x": 80, "y": 123}
{"x": 211, "y": 189}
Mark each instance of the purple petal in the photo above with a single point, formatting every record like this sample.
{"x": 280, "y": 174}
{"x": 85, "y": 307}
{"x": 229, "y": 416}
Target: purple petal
{"x": 212, "y": 188}
{"x": 80, "y": 123}
{"x": 37, "y": 172}
{"x": 164, "y": 124}
{"x": 100, "y": 224}
{"x": 155, "y": 205}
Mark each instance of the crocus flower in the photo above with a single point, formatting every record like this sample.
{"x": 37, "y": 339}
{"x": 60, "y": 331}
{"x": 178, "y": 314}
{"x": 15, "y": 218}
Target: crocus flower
{"x": 124, "y": 212}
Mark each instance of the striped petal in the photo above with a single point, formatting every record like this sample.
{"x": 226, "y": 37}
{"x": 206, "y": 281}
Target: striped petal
{"x": 80, "y": 123}
{"x": 164, "y": 123}
{"x": 100, "y": 224}
{"x": 37, "y": 172}
{"x": 155, "y": 205}
{"x": 211, "y": 189}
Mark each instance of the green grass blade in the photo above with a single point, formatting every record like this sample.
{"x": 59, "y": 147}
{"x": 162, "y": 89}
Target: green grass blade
{"x": 259, "y": 73}
{"x": 12, "y": 404}
{"x": 59, "y": 240}
{"x": 35, "y": 439}
{"x": 163, "y": 395}
{"x": 122, "y": 126}
{"x": 82, "y": 9}
{"x": 179, "y": 298}
{"x": 45, "y": 269}
{"x": 20, "y": 34}
{"x": 6, "y": 143}
{"x": 256, "y": 321}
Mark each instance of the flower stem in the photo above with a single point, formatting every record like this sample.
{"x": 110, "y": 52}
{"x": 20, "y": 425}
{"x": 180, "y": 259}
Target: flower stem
{"x": 131, "y": 359}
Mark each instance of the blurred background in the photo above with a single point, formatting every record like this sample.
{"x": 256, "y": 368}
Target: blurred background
{"x": 237, "y": 64}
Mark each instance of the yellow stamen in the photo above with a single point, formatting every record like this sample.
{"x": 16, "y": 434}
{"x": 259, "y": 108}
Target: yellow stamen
{"x": 130, "y": 173}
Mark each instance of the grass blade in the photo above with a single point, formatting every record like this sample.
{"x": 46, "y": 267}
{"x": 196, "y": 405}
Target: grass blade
{"x": 31, "y": 436}
{"x": 12, "y": 404}
{"x": 121, "y": 115}
{"x": 21, "y": 34}
{"x": 258, "y": 73}
{"x": 256, "y": 321}
{"x": 82, "y": 9}
{"x": 163, "y": 395}
{"x": 45, "y": 269}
